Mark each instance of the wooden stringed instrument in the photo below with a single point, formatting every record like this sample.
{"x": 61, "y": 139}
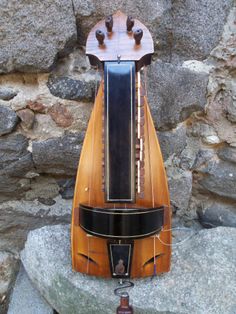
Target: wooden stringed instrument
{"x": 121, "y": 216}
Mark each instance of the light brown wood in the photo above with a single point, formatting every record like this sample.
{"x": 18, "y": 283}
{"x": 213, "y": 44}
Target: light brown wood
{"x": 89, "y": 253}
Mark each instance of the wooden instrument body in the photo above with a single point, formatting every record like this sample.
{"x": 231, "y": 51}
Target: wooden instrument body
{"x": 90, "y": 254}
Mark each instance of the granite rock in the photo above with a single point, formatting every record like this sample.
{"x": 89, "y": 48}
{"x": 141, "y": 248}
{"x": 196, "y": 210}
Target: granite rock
{"x": 27, "y": 118}
{"x": 15, "y": 163}
{"x": 37, "y": 106}
{"x": 34, "y": 33}
{"x": 8, "y": 120}
{"x": 227, "y": 153}
{"x": 180, "y": 187}
{"x": 189, "y": 154}
{"x": 13, "y": 188}
{"x": 42, "y": 187}
{"x": 175, "y": 93}
{"x": 67, "y": 187}
{"x": 197, "y": 27}
{"x": 218, "y": 214}
{"x": 61, "y": 115}
{"x": 25, "y": 298}
{"x": 203, "y": 157}
{"x": 70, "y": 88}
{"x": 7, "y": 93}
{"x": 219, "y": 177}
{"x": 172, "y": 142}
{"x": 19, "y": 217}
{"x": 195, "y": 263}
{"x": 52, "y": 156}
{"x": 15, "y": 159}
{"x": 8, "y": 268}
{"x": 221, "y": 89}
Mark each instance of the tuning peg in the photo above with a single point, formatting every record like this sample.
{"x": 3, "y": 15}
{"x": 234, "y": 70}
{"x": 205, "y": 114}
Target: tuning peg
{"x": 109, "y": 23}
{"x": 100, "y": 37}
{"x": 129, "y": 23}
{"x": 138, "y": 34}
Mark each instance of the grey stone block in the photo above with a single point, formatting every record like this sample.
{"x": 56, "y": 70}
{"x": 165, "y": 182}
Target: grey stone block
{"x": 174, "y": 93}
{"x": 8, "y": 120}
{"x": 25, "y": 299}
{"x": 202, "y": 277}
{"x": 218, "y": 214}
{"x": 34, "y": 33}
{"x": 52, "y": 155}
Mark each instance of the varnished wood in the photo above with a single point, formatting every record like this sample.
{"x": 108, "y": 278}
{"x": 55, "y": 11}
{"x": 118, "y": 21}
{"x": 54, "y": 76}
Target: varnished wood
{"x": 120, "y": 42}
{"x": 89, "y": 253}
{"x": 138, "y": 34}
{"x": 109, "y": 23}
{"x": 100, "y": 37}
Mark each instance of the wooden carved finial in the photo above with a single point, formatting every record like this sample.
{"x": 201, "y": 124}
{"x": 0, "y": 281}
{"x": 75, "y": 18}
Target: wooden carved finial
{"x": 129, "y": 23}
{"x": 138, "y": 34}
{"x": 100, "y": 37}
{"x": 109, "y": 23}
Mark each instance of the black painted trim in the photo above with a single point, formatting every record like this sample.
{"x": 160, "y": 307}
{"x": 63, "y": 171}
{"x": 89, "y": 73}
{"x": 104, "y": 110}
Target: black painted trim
{"x": 119, "y": 126}
{"x": 121, "y": 223}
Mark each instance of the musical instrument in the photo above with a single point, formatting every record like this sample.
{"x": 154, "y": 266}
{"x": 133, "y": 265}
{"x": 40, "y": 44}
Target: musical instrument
{"x": 121, "y": 216}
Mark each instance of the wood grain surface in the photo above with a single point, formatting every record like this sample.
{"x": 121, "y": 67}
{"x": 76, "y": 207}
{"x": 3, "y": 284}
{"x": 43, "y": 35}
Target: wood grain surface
{"x": 89, "y": 253}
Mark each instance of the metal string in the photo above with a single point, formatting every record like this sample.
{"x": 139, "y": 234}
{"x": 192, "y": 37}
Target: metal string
{"x": 88, "y": 254}
{"x": 154, "y": 255}
{"x": 93, "y": 133}
{"x": 149, "y": 156}
{"x": 92, "y": 148}
{"x": 180, "y": 242}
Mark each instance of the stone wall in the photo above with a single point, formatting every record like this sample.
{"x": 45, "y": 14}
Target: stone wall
{"x": 47, "y": 91}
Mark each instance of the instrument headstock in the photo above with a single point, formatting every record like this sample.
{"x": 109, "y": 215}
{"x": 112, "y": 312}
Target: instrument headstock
{"x": 119, "y": 37}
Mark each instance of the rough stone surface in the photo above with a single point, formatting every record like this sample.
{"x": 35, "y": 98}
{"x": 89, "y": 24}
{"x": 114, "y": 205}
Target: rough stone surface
{"x": 67, "y": 187}
{"x": 195, "y": 263}
{"x": 227, "y": 153}
{"x": 221, "y": 89}
{"x": 32, "y": 34}
{"x": 180, "y": 186}
{"x": 219, "y": 178}
{"x": 42, "y": 187}
{"x": 69, "y": 88}
{"x": 7, "y": 93}
{"x": 44, "y": 128}
{"x": 175, "y": 93}
{"x": 185, "y": 30}
{"x": 26, "y": 299}
{"x": 8, "y": 120}
{"x": 37, "y": 106}
{"x": 61, "y": 115}
{"x": 172, "y": 142}
{"x": 15, "y": 163}
{"x": 189, "y": 154}
{"x": 218, "y": 214}
{"x": 52, "y": 155}
{"x": 197, "y": 27}
{"x": 203, "y": 157}
{"x": 27, "y": 118}
{"x": 19, "y": 217}
{"x": 8, "y": 268}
